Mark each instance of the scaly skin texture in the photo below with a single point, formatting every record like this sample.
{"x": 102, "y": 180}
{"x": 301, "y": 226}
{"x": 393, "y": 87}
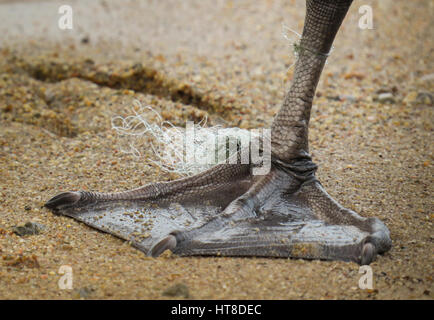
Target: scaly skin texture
{"x": 285, "y": 213}
{"x": 322, "y": 22}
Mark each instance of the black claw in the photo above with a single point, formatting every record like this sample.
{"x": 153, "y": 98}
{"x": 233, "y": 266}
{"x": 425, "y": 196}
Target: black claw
{"x": 63, "y": 199}
{"x": 168, "y": 242}
{"x": 368, "y": 254}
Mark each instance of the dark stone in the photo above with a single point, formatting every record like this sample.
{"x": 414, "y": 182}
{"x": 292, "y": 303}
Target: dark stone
{"x": 83, "y": 293}
{"x": 177, "y": 290}
{"x": 30, "y": 228}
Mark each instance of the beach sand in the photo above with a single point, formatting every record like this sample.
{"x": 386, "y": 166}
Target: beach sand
{"x": 371, "y": 135}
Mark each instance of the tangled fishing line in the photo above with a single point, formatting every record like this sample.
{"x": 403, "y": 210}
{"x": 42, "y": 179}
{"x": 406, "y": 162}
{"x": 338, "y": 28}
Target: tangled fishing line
{"x": 168, "y": 143}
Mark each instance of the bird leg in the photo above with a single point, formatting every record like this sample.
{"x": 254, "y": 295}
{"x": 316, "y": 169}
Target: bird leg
{"x": 228, "y": 210}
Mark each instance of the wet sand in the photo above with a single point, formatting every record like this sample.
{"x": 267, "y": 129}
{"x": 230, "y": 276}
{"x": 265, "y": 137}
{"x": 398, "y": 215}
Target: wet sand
{"x": 226, "y": 60}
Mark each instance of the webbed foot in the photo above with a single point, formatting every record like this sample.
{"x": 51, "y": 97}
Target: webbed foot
{"x": 281, "y": 214}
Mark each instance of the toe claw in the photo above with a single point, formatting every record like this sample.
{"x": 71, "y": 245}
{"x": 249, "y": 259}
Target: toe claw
{"x": 368, "y": 254}
{"x": 63, "y": 199}
{"x": 168, "y": 242}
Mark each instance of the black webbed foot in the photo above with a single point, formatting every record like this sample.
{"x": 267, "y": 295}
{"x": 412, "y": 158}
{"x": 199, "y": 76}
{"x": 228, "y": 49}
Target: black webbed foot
{"x": 279, "y": 215}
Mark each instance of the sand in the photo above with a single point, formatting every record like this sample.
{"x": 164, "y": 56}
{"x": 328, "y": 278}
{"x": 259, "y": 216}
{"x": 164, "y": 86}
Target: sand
{"x": 226, "y": 60}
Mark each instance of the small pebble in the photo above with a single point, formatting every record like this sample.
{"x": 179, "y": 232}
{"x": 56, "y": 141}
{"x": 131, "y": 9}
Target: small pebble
{"x": 386, "y": 97}
{"x": 83, "y": 293}
{"x": 28, "y": 229}
{"x": 177, "y": 290}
